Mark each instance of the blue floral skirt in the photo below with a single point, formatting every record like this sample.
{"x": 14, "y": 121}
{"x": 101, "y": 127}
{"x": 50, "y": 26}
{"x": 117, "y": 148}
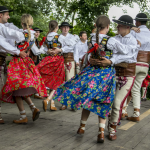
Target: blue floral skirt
{"x": 92, "y": 89}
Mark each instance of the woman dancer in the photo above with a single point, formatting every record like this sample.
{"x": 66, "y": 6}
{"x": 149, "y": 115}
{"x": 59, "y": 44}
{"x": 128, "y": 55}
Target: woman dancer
{"x": 23, "y": 78}
{"x": 93, "y": 88}
{"x": 51, "y": 67}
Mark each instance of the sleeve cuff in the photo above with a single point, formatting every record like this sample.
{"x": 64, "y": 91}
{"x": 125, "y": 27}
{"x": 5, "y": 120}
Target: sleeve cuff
{"x": 113, "y": 61}
{"x": 17, "y": 52}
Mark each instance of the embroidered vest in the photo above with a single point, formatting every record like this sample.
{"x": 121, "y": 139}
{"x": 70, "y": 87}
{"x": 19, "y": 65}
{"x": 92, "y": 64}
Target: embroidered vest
{"x": 53, "y": 43}
{"x": 25, "y": 45}
{"x": 102, "y": 50}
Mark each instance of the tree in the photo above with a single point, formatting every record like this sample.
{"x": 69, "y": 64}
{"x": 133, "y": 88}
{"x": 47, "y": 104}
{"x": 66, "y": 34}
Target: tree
{"x": 84, "y": 12}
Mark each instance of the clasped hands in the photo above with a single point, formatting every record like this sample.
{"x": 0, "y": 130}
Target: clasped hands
{"x": 54, "y": 51}
{"x": 104, "y": 62}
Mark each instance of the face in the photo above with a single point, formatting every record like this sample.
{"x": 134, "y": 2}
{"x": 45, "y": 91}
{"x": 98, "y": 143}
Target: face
{"x": 65, "y": 29}
{"x": 83, "y": 37}
{"x": 37, "y": 34}
{"x": 137, "y": 23}
{"x": 4, "y": 17}
{"x": 122, "y": 29}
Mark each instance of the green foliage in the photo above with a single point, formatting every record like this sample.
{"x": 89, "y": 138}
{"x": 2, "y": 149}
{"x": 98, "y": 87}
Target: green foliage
{"x": 80, "y": 13}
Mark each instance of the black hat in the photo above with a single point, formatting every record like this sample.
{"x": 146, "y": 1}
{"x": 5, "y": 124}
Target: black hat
{"x": 125, "y": 20}
{"x": 141, "y": 17}
{"x": 65, "y": 24}
{"x": 37, "y": 29}
{"x": 4, "y": 9}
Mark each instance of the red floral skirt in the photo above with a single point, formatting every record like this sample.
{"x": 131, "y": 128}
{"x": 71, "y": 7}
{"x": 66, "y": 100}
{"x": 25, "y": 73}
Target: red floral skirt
{"x": 52, "y": 71}
{"x": 146, "y": 81}
{"x": 23, "y": 79}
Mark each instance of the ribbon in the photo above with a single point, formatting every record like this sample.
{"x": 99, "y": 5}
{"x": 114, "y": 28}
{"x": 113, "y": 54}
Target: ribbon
{"x": 94, "y": 48}
{"x": 43, "y": 40}
{"x": 24, "y": 46}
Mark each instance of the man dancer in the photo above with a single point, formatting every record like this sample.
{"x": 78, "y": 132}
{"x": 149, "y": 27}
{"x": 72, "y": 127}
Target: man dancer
{"x": 68, "y": 43}
{"x": 142, "y": 64}
{"x": 5, "y": 47}
{"x": 125, "y": 64}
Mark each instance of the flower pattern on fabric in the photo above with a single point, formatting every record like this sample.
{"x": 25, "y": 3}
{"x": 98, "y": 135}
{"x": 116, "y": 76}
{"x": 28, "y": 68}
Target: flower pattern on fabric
{"x": 121, "y": 82}
{"x": 146, "y": 81}
{"x": 52, "y": 71}
{"x": 22, "y": 73}
{"x": 93, "y": 89}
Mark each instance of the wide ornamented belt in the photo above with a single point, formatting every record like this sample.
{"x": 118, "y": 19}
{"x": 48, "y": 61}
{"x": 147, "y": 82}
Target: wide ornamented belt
{"x": 125, "y": 69}
{"x": 143, "y": 56}
{"x": 68, "y": 57}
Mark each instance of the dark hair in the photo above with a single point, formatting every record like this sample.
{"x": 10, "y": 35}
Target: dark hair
{"x": 52, "y": 25}
{"x": 81, "y": 33}
{"x": 101, "y": 22}
{"x": 143, "y": 22}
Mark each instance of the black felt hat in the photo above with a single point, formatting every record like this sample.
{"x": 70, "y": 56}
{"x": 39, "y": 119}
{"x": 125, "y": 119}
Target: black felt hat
{"x": 4, "y": 9}
{"x": 141, "y": 17}
{"x": 65, "y": 24}
{"x": 125, "y": 20}
{"x": 37, "y": 29}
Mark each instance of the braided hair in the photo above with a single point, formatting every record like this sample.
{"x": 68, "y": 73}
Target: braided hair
{"x": 27, "y": 21}
{"x": 101, "y": 22}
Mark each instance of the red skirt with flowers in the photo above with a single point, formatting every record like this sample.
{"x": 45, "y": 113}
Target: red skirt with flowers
{"x": 146, "y": 81}
{"x": 52, "y": 71}
{"x": 23, "y": 79}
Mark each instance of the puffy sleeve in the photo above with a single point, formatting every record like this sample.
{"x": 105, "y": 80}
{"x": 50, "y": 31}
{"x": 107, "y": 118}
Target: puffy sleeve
{"x": 37, "y": 51}
{"x": 117, "y": 47}
{"x": 9, "y": 33}
{"x": 8, "y": 47}
{"x": 12, "y": 26}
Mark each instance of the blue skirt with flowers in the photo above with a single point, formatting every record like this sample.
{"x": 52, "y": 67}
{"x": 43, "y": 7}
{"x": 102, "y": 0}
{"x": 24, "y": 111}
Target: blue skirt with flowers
{"x": 92, "y": 89}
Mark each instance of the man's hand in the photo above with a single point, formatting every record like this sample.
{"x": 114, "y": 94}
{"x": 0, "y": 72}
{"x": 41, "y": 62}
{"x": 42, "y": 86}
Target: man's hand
{"x": 139, "y": 43}
{"x": 22, "y": 54}
{"x": 137, "y": 30}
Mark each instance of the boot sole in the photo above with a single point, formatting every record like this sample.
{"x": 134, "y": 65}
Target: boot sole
{"x": 100, "y": 141}
{"x": 36, "y": 116}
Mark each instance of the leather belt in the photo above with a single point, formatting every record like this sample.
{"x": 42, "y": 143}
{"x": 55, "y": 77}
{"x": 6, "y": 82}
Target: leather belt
{"x": 126, "y": 71}
{"x": 68, "y": 57}
{"x": 143, "y": 56}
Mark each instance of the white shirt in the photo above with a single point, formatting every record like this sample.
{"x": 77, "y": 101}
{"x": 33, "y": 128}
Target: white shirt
{"x": 9, "y": 34}
{"x": 143, "y": 37}
{"x": 80, "y": 50}
{"x": 125, "y": 49}
{"x": 68, "y": 42}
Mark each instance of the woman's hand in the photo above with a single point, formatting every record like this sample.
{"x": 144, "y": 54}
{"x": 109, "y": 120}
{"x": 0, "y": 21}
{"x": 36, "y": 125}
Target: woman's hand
{"x": 57, "y": 50}
{"x": 51, "y": 52}
{"x": 104, "y": 62}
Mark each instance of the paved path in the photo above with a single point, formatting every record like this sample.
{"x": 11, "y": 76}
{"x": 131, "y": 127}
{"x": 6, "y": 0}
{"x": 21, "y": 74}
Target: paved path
{"x": 56, "y": 130}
